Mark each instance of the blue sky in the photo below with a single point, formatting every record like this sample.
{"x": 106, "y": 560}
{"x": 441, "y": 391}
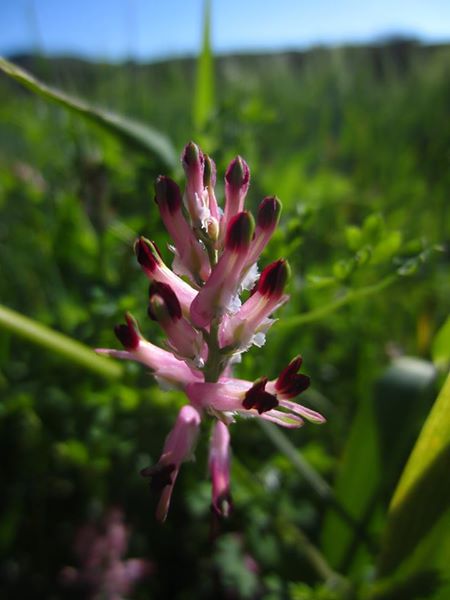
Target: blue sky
{"x": 150, "y": 29}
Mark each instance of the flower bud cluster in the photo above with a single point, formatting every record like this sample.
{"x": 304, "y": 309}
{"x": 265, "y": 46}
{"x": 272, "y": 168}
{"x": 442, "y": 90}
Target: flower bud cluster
{"x": 197, "y": 302}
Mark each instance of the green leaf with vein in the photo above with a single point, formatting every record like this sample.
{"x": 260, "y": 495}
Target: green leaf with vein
{"x": 134, "y": 134}
{"x": 417, "y": 535}
{"x": 59, "y": 343}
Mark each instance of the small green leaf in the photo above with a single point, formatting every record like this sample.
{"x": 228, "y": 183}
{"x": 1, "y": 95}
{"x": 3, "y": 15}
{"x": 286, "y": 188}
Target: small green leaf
{"x": 342, "y": 269}
{"x": 134, "y": 134}
{"x": 373, "y": 228}
{"x": 74, "y": 452}
{"x": 354, "y": 237}
{"x": 387, "y": 247}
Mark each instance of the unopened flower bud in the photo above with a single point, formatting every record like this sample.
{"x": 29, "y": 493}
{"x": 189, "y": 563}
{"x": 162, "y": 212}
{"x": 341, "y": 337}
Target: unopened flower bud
{"x": 237, "y": 175}
{"x": 194, "y": 164}
{"x": 192, "y": 158}
{"x": 209, "y": 174}
{"x": 273, "y": 279}
{"x": 163, "y": 303}
{"x": 167, "y": 194}
{"x": 128, "y": 335}
{"x": 240, "y": 231}
{"x": 147, "y": 254}
{"x": 237, "y": 180}
{"x": 268, "y": 213}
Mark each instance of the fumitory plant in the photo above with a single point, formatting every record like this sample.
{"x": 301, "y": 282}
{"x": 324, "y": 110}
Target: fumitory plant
{"x": 208, "y": 327}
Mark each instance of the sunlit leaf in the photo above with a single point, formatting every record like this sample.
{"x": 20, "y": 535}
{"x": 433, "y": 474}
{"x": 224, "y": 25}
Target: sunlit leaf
{"x": 380, "y": 436}
{"x": 441, "y": 345}
{"x": 418, "y": 527}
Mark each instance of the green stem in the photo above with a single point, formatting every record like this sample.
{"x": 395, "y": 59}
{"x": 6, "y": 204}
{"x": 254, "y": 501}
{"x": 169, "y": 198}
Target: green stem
{"x": 59, "y": 343}
{"x": 347, "y": 298}
{"x": 214, "y": 364}
{"x": 211, "y": 251}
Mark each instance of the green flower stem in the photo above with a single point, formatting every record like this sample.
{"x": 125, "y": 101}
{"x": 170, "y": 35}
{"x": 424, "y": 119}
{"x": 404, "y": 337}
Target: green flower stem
{"x": 347, "y": 298}
{"x": 59, "y": 343}
{"x": 214, "y": 364}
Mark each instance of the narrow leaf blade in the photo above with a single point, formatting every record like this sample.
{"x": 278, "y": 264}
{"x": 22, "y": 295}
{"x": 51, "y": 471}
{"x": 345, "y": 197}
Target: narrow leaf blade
{"x": 134, "y": 134}
{"x": 204, "y": 89}
{"x": 59, "y": 343}
{"x": 421, "y": 502}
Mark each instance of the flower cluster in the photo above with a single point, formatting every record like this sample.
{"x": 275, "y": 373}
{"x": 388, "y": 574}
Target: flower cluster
{"x": 198, "y": 305}
{"x": 103, "y": 571}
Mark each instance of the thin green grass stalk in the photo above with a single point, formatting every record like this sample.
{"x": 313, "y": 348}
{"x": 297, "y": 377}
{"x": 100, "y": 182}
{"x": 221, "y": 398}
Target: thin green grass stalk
{"x": 58, "y": 343}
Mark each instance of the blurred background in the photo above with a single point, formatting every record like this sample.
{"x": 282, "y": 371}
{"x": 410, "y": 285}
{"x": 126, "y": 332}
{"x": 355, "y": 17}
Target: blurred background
{"x": 342, "y": 111}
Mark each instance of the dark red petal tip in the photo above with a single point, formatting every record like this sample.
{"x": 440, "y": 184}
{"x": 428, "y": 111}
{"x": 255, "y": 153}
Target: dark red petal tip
{"x": 291, "y": 384}
{"x": 238, "y": 173}
{"x": 167, "y": 194}
{"x": 240, "y": 231}
{"x": 146, "y": 254}
{"x": 256, "y": 397}
{"x": 160, "y": 476}
{"x": 192, "y": 155}
{"x": 268, "y": 213}
{"x": 163, "y": 294}
{"x": 273, "y": 278}
{"x": 128, "y": 335}
{"x": 209, "y": 174}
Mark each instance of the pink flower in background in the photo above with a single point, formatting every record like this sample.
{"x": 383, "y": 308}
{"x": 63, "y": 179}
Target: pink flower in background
{"x": 103, "y": 572}
{"x": 213, "y": 305}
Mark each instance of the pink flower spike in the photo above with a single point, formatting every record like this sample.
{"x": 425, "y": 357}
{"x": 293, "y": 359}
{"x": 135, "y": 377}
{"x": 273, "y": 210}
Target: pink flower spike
{"x": 178, "y": 448}
{"x": 155, "y": 269}
{"x": 165, "y": 366}
{"x": 219, "y": 467}
{"x": 193, "y": 162}
{"x": 251, "y": 322}
{"x": 237, "y": 181}
{"x": 184, "y": 341}
{"x": 192, "y": 259}
{"x": 266, "y": 222}
{"x": 217, "y": 295}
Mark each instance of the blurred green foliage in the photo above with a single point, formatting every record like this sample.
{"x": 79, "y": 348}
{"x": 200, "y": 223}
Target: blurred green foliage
{"x": 355, "y": 143}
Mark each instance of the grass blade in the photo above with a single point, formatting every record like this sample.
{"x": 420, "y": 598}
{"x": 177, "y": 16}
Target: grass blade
{"x": 420, "y": 505}
{"x": 204, "y": 88}
{"x": 59, "y": 343}
{"x": 134, "y": 134}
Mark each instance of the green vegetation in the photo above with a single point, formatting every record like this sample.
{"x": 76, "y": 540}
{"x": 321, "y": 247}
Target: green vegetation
{"x": 354, "y": 141}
